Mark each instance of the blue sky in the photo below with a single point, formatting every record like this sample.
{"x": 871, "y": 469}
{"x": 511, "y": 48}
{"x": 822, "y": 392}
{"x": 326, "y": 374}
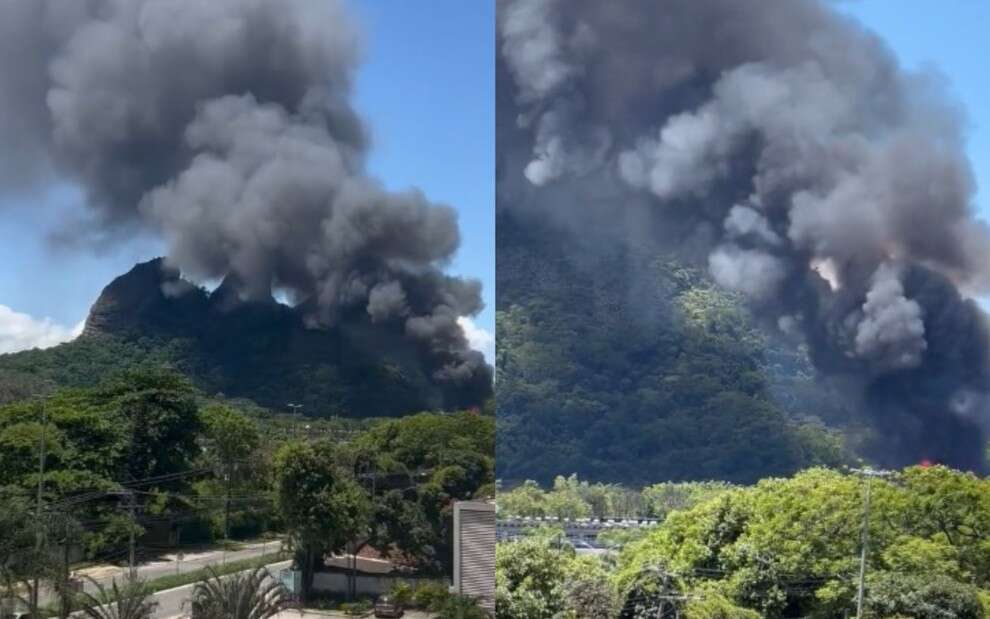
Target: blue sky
{"x": 951, "y": 38}
{"x": 427, "y": 90}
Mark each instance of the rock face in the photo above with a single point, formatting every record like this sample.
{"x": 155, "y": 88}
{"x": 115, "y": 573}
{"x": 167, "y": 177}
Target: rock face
{"x": 150, "y": 295}
{"x": 264, "y": 350}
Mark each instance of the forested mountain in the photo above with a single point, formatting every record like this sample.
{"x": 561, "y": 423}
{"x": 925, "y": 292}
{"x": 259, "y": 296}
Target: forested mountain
{"x": 625, "y": 365}
{"x": 261, "y": 350}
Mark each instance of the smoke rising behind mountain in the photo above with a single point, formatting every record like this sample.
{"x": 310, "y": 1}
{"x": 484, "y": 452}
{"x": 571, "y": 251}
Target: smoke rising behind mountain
{"x": 781, "y": 146}
{"x": 226, "y": 127}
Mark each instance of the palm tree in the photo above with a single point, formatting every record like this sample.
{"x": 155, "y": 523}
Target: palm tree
{"x": 248, "y": 595}
{"x": 132, "y": 601}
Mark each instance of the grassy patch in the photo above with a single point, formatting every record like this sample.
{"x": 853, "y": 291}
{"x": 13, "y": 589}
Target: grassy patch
{"x": 178, "y": 580}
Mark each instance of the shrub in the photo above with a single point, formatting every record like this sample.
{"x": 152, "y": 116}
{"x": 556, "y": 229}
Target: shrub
{"x": 402, "y": 593}
{"x": 460, "y": 607}
{"x": 431, "y": 596}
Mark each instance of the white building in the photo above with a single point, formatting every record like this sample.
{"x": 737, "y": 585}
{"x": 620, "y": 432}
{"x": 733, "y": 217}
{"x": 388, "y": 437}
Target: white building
{"x": 474, "y": 552}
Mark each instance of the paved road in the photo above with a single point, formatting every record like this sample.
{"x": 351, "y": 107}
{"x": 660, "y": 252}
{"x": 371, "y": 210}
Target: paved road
{"x": 193, "y": 562}
{"x": 168, "y": 566}
{"x": 320, "y": 614}
{"x": 170, "y": 601}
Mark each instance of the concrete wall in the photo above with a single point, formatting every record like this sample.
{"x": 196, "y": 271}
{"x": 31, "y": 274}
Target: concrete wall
{"x": 367, "y": 584}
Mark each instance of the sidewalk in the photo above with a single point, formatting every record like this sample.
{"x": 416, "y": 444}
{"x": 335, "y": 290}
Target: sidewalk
{"x": 336, "y": 614}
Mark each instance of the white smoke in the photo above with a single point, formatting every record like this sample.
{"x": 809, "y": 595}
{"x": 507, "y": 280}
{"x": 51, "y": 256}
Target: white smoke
{"x": 478, "y": 338}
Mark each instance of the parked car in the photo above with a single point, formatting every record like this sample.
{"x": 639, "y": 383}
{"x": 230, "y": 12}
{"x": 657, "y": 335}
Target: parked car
{"x": 387, "y": 606}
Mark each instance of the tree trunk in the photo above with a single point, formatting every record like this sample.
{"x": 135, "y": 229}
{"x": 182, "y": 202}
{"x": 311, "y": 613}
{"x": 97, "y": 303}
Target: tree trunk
{"x": 307, "y": 574}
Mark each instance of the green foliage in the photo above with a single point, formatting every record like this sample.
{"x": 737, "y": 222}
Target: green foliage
{"x": 98, "y": 438}
{"x": 708, "y": 603}
{"x": 460, "y": 607}
{"x": 923, "y": 596}
{"x": 415, "y": 467}
{"x": 20, "y": 525}
{"x": 784, "y": 547}
{"x": 573, "y": 498}
{"x": 567, "y": 499}
{"x": 539, "y": 577}
{"x": 402, "y": 593}
{"x": 322, "y": 506}
{"x": 788, "y": 547}
{"x": 231, "y": 436}
{"x": 529, "y": 579}
{"x": 622, "y": 367}
{"x": 158, "y": 409}
{"x": 254, "y": 594}
{"x": 430, "y": 595}
{"x": 662, "y": 499}
{"x": 231, "y": 446}
{"x": 589, "y": 597}
{"x": 132, "y": 600}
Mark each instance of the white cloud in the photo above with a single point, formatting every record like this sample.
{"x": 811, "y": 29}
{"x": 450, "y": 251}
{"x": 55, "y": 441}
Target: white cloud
{"x": 478, "y": 338}
{"x": 23, "y": 332}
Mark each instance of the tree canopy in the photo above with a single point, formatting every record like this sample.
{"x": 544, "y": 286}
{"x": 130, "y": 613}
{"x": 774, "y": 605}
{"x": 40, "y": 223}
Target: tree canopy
{"x": 786, "y": 547}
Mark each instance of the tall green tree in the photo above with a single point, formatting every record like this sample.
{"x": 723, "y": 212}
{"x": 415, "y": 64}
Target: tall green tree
{"x": 321, "y": 504}
{"x": 415, "y": 468}
{"x": 159, "y": 408}
{"x": 232, "y": 448}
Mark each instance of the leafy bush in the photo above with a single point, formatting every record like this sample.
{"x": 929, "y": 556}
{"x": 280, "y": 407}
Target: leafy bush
{"x": 430, "y": 596}
{"x": 923, "y": 597}
{"x": 402, "y": 593}
{"x": 460, "y": 607}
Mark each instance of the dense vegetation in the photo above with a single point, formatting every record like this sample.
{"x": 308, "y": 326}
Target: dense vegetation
{"x": 785, "y": 547}
{"x": 197, "y": 470}
{"x": 572, "y": 498}
{"x": 624, "y": 366}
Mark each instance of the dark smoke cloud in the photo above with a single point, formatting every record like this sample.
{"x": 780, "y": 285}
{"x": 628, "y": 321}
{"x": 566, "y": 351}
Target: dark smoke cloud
{"x": 227, "y": 128}
{"x": 790, "y": 150}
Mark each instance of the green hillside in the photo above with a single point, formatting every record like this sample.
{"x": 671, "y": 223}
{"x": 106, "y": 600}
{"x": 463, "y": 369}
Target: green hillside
{"x": 262, "y": 351}
{"x": 626, "y": 366}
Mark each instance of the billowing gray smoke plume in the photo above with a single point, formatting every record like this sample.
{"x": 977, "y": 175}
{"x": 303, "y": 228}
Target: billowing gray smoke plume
{"x": 227, "y": 128}
{"x": 785, "y": 143}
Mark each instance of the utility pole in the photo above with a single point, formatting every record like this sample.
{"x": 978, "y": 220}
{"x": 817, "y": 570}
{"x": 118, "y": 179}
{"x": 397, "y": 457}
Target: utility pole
{"x": 66, "y": 606}
{"x": 295, "y": 411}
{"x": 35, "y": 598}
{"x": 178, "y": 555}
{"x": 869, "y": 474}
{"x": 130, "y": 559}
{"x": 226, "y": 514}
